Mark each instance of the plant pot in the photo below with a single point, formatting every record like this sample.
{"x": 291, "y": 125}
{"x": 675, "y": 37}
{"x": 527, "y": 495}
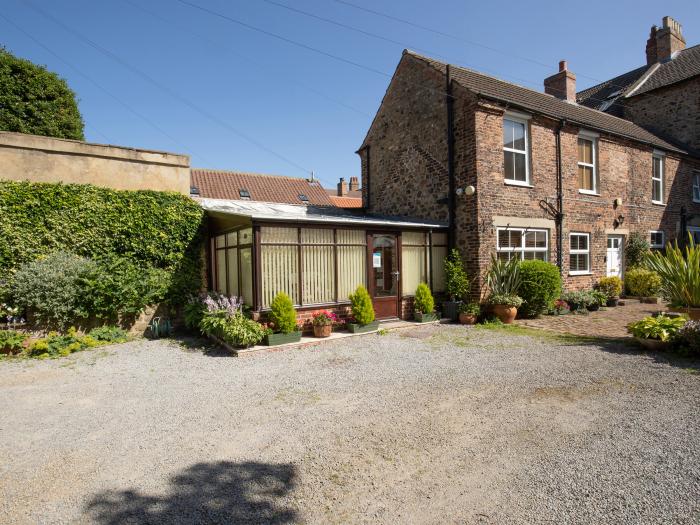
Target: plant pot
{"x": 694, "y": 313}
{"x": 355, "y": 328}
{"x": 655, "y": 345}
{"x": 420, "y": 317}
{"x": 282, "y": 339}
{"x": 593, "y": 307}
{"x": 677, "y": 309}
{"x": 450, "y": 309}
{"x": 612, "y": 301}
{"x": 323, "y": 330}
{"x": 649, "y": 300}
{"x": 467, "y": 318}
{"x": 505, "y": 313}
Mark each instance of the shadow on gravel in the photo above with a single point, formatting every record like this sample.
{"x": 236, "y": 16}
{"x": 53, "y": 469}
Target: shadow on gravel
{"x": 223, "y": 492}
{"x": 200, "y": 344}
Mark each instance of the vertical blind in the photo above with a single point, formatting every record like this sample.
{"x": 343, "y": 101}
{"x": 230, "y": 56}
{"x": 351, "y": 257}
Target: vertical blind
{"x": 416, "y": 255}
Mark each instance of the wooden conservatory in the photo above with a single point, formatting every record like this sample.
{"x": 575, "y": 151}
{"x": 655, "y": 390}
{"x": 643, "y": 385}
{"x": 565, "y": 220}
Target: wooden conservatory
{"x": 319, "y": 255}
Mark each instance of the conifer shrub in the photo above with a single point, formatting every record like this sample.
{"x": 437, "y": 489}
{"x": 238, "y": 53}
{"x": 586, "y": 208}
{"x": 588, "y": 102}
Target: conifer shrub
{"x": 641, "y": 282}
{"x": 423, "y": 301}
{"x": 282, "y": 315}
{"x": 456, "y": 280}
{"x": 362, "y": 309}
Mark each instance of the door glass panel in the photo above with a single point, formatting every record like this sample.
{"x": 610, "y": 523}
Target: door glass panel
{"x": 385, "y": 271}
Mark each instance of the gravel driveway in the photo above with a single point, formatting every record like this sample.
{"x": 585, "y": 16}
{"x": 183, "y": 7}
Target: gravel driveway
{"x": 432, "y": 424}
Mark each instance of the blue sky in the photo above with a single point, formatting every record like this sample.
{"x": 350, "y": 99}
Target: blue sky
{"x": 212, "y": 81}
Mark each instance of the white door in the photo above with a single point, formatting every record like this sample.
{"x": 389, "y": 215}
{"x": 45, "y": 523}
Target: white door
{"x": 614, "y": 255}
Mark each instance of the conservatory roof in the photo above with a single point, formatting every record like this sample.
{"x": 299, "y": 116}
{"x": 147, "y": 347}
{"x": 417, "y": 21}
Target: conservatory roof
{"x": 292, "y": 213}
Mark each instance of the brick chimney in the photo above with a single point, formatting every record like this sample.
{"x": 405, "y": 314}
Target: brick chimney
{"x": 561, "y": 85}
{"x": 354, "y": 184}
{"x": 669, "y": 39}
{"x": 342, "y": 188}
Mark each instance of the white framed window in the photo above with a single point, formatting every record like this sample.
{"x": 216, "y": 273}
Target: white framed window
{"x": 524, "y": 243}
{"x": 516, "y": 162}
{"x": 657, "y": 179}
{"x": 696, "y": 186}
{"x": 587, "y": 168}
{"x": 656, "y": 239}
{"x": 579, "y": 253}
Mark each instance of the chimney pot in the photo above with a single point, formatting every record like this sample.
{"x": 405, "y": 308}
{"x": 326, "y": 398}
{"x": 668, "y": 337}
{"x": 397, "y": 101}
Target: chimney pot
{"x": 562, "y": 84}
{"x": 342, "y": 187}
{"x": 354, "y": 184}
{"x": 664, "y": 42}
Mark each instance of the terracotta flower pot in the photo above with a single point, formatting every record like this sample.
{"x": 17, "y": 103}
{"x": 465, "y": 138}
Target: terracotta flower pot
{"x": 467, "y": 318}
{"x": 505, "y": 313}
{"x": 323, "y": 330}
{"x": 653, "y": 345}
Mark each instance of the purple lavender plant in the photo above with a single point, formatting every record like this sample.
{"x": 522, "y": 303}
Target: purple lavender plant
{"x": 217, "y": 302}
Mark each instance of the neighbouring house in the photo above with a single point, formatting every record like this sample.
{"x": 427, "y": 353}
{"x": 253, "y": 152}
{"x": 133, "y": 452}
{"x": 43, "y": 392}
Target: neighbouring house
{"x": 520, "y": 173}
{"x": 347, "y": 196}
{"x": 273, "y": 234}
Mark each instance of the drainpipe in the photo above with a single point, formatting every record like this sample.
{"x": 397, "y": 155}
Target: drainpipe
{"x": 559, "y": 218}
{"x": 451, "y": 203}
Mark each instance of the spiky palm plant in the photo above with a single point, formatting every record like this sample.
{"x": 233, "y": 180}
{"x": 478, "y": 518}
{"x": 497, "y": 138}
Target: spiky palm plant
{"x": 679, "y": 270}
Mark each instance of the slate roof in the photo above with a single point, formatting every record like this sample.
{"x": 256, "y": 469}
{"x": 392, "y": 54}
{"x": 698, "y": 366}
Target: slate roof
{"x": 608, "y": 96}
{"x": 528, "y": 99}
{"x": 217, "y": 184}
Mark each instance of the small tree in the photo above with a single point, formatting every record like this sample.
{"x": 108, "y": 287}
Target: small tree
{"x": 423, "y": 301}
{"x": 37, "y": 101}
{"x": 540, "y": 286}
{"x": 456, "y": 280}
{"x": 283, "y": 315}
{"x": 636, "y": 249}
{"x": 362, "y": 309}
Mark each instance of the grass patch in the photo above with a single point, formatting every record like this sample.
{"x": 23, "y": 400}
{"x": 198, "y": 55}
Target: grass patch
{"x": 519, "y": 330}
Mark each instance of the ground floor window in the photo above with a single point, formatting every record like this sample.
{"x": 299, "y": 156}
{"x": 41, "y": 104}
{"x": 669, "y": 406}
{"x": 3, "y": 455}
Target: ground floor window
{"x": 524, "y": 243}
{"x": 656, "y": 240}
{"x": 422, "y": 261}
{"x": 232, "y": 264}
{"x": 579, "y": 253}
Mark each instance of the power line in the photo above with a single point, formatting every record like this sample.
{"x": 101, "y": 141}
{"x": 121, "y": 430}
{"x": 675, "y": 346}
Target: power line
{"x": 166, "y": 89}
{"x": 100, "y": 87}
{"x": 245, "y": 58}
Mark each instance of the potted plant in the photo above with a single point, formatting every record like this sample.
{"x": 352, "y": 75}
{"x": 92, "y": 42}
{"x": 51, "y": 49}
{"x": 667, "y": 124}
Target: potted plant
{"x": 456, "y": 284}
{"x": 560, "y": 307}
{"x": 598, "y": 299}
{"x": 578, "y": 300}
{"x": 505, "y": 306}
{"x": 323, "y": 323}
{"x": 283, "y": 319}
{"x": 469, "y": 313}
{"x": 653, "y": 333}
{"x": 362, "y": 312}
{"x": 612, "y": 288}
{"x": 679, "y": 273}
{"x": 424, "y": 305}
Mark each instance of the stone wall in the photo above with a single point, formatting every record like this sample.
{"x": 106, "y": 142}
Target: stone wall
{"x": 45, "y": 159}
{"x": 672, "y": 112}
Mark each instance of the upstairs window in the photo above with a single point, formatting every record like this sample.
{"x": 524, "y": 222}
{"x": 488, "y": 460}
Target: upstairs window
{"x": 657, "y": 180}
{"x": 244, "y": 194}
{"x": 696, "y": 186}
{"x": 579, "y": 254}
{"x": 587, "y": 170}
{"x": 515, "y": 151}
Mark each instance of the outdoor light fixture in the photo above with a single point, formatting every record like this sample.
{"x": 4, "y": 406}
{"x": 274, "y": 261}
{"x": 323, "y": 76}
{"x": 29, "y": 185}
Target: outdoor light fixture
{"x": 618, "y": 202}
{"x": 470, "y": 190}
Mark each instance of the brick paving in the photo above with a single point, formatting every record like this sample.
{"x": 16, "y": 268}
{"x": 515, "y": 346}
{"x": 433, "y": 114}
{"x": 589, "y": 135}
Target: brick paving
{"x": 606, "y": 322}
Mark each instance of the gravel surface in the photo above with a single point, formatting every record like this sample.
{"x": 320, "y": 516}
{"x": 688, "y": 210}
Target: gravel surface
{"x": 433, "y": 424}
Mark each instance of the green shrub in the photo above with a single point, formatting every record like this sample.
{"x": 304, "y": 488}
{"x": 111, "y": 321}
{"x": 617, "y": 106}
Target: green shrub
{"x": 50, "y": 289}
{"x": 636, "y": 249}
{"x": 470, "y": 309}
{"x": 456, "y": 281}
{"x": 503, "y": 277}
{"x": 362, "y": 308}
{"x": 243, "y": 332}
{"x": 610, "y": 286}
{"x": 55, "y": 344}
{"x": 679, "y": 271}
{"x": 641, "y": 282}
{"x": 540, "y": 286}
{"x": 661, "y": 327}
{"x": 11, "y": 342}
{"x": 161, "y": 230}
{"x": 599, "y": 298}
{"x": 579, "y": 300}
{"x": 423, "y": 301}
{"x": 37, "y": 101}
{"x": 282, "y": 314}
{"x": 109, "y": 334}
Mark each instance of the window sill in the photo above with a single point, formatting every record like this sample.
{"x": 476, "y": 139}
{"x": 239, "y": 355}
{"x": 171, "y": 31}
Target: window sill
{"x": 588, "y": 192}
{"x": 516, "y": 183}
{"x": 578, "y": 274}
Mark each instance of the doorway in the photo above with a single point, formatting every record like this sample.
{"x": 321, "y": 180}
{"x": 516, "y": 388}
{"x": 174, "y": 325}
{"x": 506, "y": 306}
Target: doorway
{"x": 613, "y": 256}
{"x": 384, "y": 274}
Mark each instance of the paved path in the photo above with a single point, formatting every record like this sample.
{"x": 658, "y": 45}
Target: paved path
{"x": 607, "y": 322}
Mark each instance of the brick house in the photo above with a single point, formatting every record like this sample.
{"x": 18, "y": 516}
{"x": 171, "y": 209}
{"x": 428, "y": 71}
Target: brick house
{"x": 554, "y": 176}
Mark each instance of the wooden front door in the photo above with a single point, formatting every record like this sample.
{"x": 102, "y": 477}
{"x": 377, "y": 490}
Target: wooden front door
{"x": 383, "y": 255}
